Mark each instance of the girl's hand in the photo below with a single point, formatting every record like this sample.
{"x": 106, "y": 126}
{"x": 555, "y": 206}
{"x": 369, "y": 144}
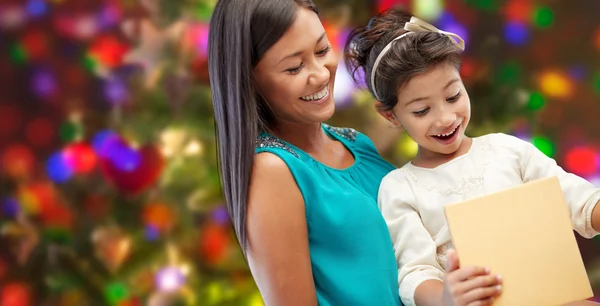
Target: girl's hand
{"x": 469, "y": 286}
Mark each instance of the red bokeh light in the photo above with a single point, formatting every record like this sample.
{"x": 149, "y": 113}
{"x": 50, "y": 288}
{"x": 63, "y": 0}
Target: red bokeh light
{"x": 581, "y": 161}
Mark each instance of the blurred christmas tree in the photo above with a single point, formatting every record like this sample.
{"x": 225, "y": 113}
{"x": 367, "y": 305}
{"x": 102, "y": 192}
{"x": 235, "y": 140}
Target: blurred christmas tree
{"x": 109, "y": 190}
{"x": 110, "y": 186}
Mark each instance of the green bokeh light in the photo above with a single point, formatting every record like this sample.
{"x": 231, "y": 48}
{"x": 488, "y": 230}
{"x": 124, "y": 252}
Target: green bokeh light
{"x": 486, "y": 5}
{"x": 544, "y": 145}
{"x": 70, "y": 131}
{"x": 509, "y": 74}
{"x": 597, "y": 83}
{"x": 203, "y": 10}
{"x": 116, "y": 292}
{"x": 90, "y": 63}
{"x": 536, "y": 101}
{"x": 57, "y": 234}
{"x": 18, "y": 54}
{"x": 543, "y": 17}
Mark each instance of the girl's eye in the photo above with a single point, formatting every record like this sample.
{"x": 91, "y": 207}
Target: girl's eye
{"x": 422, "y": 112}
{"x": 454, "y": 98}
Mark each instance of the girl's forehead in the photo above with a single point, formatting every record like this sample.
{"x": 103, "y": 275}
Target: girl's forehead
{"x": 434, "y": 80}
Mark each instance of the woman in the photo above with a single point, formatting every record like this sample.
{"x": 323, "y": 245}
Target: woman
{"x": 301, "y": 194}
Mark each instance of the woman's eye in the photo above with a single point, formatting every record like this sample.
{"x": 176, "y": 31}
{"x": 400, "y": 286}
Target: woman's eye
{"x": 295, "y": 69}
{"x": 324, "y": 51}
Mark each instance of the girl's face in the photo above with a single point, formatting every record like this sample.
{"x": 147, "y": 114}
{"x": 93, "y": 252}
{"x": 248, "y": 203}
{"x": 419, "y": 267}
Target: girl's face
{"x": 434, "y": 109}
{"x": 296, "y": 75}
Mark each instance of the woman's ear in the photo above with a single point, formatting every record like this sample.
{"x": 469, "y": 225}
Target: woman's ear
{"x": 387, "y": 114}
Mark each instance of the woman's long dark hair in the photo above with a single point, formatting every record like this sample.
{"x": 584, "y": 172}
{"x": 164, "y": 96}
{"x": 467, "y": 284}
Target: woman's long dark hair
{"x": 241, "y": 31}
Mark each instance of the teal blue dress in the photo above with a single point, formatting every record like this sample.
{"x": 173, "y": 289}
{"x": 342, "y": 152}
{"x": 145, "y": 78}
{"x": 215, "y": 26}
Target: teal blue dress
{"x": 353, "y": 261}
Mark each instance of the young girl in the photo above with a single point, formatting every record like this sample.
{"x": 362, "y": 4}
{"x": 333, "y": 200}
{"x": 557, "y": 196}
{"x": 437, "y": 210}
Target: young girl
{"x": 412, "y": 69}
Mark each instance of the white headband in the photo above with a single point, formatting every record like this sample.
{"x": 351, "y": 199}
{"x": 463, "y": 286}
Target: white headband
{"x": 415, "y": 25}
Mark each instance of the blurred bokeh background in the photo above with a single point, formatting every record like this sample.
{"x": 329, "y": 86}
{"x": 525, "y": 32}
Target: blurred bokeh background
{"x": 109, "y": 192}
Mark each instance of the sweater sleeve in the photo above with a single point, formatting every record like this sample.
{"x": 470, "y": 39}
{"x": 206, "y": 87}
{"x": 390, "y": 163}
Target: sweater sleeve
{"x": 581, "y": 196}
{"x": 415, "y": 250}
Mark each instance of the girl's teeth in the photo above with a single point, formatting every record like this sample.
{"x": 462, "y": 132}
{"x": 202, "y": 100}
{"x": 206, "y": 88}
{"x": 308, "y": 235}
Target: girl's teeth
{"x": 444, "y": 135}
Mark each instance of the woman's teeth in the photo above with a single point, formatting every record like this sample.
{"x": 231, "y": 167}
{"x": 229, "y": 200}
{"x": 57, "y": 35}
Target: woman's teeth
{"x": 317, "y": 96}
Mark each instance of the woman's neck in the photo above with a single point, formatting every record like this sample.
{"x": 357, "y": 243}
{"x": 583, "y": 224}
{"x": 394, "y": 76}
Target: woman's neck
{"x": 309, "y": 138}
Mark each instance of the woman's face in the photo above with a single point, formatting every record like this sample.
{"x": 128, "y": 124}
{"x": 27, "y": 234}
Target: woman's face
{"x": 296, "y": 75}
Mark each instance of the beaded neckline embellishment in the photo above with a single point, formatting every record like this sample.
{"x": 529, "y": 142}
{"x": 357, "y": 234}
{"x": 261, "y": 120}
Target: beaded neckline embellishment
{"x": 347, "y": 133}
{"x": 270, "y": 141}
